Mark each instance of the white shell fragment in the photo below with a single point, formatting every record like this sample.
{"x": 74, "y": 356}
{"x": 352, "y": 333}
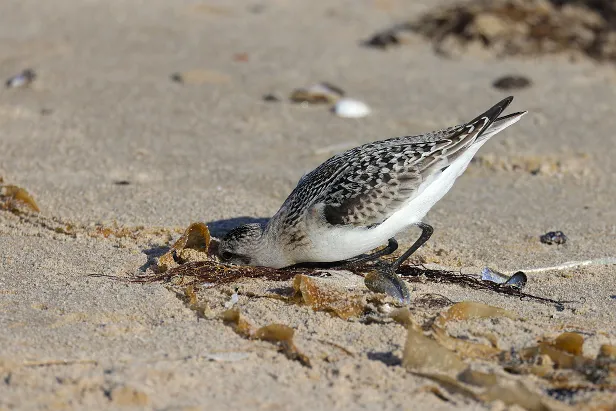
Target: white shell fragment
{"x": 22, "y": 79}
{"x": 234, "y": 299}
{"x": 351, "y": 108}
{"x": 488, "y": 274}
{"x": 518, "y": 280}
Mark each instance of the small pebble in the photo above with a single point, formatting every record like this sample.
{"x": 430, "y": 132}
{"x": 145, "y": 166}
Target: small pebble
{"x": 382, "y": 40}
{"x": 553, "y": 237}
{"x": 271, "y": 98}
{"x": 241, "y": 57}
{"x": 350, "y": 108}
{"x": 22, "y": 79}
{"x": 512, "y": 83}
{"x": 121, "y": 182}
{"x": 177, "y": 78}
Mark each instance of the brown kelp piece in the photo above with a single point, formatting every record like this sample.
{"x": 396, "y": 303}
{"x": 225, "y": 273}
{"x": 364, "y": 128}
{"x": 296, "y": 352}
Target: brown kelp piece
{"x": 278, "y": 334}
{"x": 565, "y": 352}
{"x": 191, "y": 246}
{"x": 561, "y": 363}
{"x": 477, "y": 378}
{"x": 512, "y": 392}
{"x": 17, "y": 200}
{"x": 321, "y": 295}
{"x": 558, "y": 362}
{"x": 275, "y": 333}
{"x": 191, "y": 299}
{"x": 572, "y": 343}
{"x": 282, "y": 335}
{"x": 608, "y": 352}
{"x": 479, "y": 386}
{"x": 467, "y": 310}
{"x": 403, "y": 317}
{"x": 424, "y": 354}
{"x": 239, "y": 324}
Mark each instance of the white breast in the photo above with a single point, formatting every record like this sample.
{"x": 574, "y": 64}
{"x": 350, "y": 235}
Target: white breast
{"x": 341, "y": 243}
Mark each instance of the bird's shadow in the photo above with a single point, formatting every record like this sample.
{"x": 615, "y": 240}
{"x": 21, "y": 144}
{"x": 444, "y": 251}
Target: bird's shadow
{"x": 219, "y": 228}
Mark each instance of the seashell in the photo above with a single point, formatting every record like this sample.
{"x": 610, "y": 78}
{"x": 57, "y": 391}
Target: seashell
{"x": 22, "y": 79}
{"x": 518, "y": 279}
{"x": 553, "y": 237}
{"x": 233, "y": 300}
{"x": 487, "y": 274}
{"x": 350, "y": 108}
{"x": 271, "y": 98}
{"x": 321, "y": 93}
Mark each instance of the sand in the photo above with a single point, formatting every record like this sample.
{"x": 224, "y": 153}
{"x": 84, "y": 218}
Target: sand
{"x": 104, "y": 109}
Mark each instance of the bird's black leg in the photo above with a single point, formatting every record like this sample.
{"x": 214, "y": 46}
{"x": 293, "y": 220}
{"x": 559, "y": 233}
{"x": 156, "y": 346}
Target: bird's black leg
{"x": 387, "y": 281}
{"x": 426, "y": 233}
{"x": 392, "y": 245}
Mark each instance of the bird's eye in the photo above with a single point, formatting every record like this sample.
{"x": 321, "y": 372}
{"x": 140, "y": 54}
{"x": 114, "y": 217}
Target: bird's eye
{"x": 226, "y": 255}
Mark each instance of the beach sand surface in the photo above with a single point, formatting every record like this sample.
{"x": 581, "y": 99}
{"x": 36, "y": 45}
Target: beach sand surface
{"x": 104, "y": 110}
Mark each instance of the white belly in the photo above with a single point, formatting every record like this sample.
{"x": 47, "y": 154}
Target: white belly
{"x": 341, "y": 243}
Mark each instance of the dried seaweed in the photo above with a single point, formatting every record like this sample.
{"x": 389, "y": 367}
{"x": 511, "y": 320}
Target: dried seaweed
{"x": 516, "y": 27}
{"x": 278, "y": 334}
{"x": 417, "y": 274}
{"x": 17, "y": 200}
{"x": 215, "y": 274}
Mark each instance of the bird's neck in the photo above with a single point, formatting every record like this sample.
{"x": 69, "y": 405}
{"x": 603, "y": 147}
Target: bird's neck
{"x": 270, "y": 251}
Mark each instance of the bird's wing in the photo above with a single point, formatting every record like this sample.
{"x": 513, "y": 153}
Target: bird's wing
{"x": 366, "y": 185}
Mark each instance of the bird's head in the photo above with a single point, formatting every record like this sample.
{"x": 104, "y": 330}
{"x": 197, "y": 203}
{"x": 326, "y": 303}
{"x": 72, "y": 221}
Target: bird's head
{"x": 242, "y": 245}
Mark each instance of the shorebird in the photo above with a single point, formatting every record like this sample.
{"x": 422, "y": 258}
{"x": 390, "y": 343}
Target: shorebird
{"x": 360, "y": 199}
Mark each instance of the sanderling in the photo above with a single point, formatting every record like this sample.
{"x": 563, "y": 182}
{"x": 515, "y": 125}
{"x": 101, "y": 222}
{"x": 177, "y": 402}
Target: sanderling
{"x": 360, "y": 199}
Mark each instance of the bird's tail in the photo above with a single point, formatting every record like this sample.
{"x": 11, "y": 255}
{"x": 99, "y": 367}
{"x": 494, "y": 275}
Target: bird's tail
{"x": 500, "y": 124}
